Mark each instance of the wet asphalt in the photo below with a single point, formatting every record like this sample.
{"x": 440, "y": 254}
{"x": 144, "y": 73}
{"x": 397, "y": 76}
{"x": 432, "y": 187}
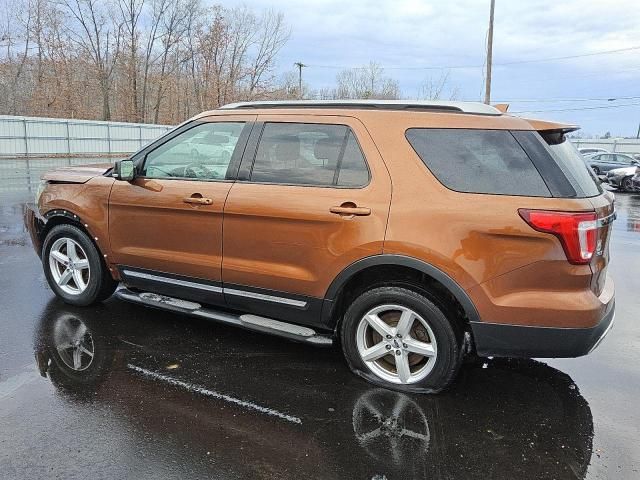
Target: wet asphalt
{"x": 173, "y": 397}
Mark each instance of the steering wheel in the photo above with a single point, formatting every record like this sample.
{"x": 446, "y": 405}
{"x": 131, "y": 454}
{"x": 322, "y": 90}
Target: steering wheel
{"x": 197, "y": 170}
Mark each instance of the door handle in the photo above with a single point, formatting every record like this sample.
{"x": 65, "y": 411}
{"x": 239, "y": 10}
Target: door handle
{"x": 198, "y": 200}
{"x": 349, "y": 210}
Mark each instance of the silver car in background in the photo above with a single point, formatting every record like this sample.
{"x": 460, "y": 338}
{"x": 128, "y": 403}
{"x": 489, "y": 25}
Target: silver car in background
{"x": 588, "y": 151}
{"x": 622, "y": 178}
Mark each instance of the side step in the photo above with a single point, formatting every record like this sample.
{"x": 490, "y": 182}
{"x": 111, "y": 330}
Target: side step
{"x": 250, "y": 322}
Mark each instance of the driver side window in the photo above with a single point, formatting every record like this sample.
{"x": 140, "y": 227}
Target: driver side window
{"x": 201, "y": 153}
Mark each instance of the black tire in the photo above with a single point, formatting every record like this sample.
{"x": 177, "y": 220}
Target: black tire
{"x": 447, "y": 333}
{"x": 100, "y": 285}
{"x": 596, "y": 170}
{"x": 627, "y": 184}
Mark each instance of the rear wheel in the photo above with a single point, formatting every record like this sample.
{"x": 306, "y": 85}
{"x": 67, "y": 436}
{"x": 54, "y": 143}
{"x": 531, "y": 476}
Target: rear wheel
{"x": 596, "y": 170}
{"x": 400, "y": 339}
{"x": 73, "y": 267}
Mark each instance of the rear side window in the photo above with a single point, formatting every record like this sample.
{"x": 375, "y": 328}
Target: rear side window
{"x": 309, "y": 154}
{"x": 478, "y": 161}
{"x": 572, "y": 164}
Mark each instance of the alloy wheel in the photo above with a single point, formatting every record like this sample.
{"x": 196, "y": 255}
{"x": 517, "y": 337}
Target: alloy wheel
{"x": 396, "y": 344}
{"x": 69, "y": 266}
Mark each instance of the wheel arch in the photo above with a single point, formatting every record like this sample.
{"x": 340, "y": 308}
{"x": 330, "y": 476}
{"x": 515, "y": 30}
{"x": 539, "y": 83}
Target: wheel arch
{"x": 56, "y": 217}
{"x": 333, "y": 305}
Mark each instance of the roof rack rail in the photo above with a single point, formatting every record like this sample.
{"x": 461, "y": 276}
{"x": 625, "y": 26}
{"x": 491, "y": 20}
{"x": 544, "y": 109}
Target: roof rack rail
{"x": 428, "y": 105}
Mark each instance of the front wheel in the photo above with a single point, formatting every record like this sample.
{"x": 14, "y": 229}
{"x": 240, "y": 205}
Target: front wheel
{"x": 73, "y": 267}
{"x": 627, "y": 184}
{"x": 398, "y": 338}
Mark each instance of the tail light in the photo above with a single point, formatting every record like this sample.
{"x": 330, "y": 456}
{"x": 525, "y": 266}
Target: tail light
{"x": 577, "y": 232}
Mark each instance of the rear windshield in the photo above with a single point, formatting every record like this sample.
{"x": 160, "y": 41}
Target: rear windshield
{"x": 478, "y": 161}
{"x": 572, "y": 164}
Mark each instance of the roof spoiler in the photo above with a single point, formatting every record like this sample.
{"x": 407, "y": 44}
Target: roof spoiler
{"x": 551, "y": 127}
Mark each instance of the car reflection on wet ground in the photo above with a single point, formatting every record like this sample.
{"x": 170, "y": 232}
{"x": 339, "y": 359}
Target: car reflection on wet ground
{"x": 158, "y": 395}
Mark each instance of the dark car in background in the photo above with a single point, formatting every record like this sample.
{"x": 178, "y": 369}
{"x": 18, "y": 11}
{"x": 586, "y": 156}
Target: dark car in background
{"x": 635, "y": 181}
{"x": 622, "y": 178}
{"x": 603, "y": 162}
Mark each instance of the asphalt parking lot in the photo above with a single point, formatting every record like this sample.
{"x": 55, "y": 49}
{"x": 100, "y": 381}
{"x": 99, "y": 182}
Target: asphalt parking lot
{"x": 181, "y": 398}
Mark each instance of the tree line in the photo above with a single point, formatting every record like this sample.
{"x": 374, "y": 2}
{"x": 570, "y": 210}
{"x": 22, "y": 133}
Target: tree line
{"x": 157, "y": 61}
{"x": 154, "y": 61}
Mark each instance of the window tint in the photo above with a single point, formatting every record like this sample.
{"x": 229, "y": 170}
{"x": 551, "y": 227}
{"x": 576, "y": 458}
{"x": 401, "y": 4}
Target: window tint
{"x": 478, "y": 161}
{"x": 309, "y": 154}
{"x": 202, "y": 152}
{"x": 571, "y": 163}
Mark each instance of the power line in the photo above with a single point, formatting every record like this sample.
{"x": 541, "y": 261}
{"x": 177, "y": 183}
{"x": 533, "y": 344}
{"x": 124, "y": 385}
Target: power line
{"x": 502, "y": 64}
{"x": 579, "y": 108}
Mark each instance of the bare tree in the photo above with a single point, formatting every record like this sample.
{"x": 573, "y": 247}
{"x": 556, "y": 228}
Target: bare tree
{"x": 271, "y": 36}
{"x": 437, "y": 89}
{"x": 130, "y": 14}
{"x": 135, "y": 60}
{"x": 366, "y": 82}
{"x": 95, "y": 32}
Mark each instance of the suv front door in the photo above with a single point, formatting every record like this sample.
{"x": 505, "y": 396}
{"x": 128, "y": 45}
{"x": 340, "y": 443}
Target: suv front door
{"x": 312, "y": 197}
{"x": 165, "y": 226}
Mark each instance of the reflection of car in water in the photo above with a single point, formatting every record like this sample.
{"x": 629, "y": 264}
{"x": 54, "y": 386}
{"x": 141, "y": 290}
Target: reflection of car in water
{"x": 159, "y": 383}
{"x": 207, "y": 146}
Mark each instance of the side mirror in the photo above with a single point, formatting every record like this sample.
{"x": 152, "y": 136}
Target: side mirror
{"x": 635, "y": 162}
{"x": 124, "y": 170}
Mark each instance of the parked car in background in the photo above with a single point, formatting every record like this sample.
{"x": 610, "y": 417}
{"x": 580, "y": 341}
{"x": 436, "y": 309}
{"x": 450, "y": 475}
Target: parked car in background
{"x": 603, "y": 162}
{"x": 591, "y": 151}
{"x": 635, "y": 180}
{"x": 622, "y": 178}
{"x": 315, "y": 247}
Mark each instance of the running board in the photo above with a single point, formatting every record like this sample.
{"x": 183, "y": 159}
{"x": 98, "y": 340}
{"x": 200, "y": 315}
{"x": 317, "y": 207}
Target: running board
{"x": 250, "y": 322}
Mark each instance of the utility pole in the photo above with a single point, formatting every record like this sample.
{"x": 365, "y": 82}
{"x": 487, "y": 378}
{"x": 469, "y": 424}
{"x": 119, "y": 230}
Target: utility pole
{"x": 638, "y": 134}
{"x": 300, "y": 66}
{"x": 487, "y": 83}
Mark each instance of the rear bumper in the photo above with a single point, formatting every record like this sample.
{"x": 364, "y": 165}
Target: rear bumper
{"x": 500, "y": 340}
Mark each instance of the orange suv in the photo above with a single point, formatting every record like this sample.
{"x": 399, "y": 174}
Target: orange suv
{"x": 410, "y": 233}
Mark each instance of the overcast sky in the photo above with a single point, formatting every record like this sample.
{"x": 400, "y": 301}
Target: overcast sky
{"x": 405, "y": 35}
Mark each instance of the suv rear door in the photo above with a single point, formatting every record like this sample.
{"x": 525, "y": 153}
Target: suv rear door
{"x": 312, "y": 197}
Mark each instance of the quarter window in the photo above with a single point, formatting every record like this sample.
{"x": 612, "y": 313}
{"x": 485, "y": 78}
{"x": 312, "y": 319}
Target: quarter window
{"x": 202, "y": 152}
{"x": 309, "y": 154}
{"x": 478, "y": 161}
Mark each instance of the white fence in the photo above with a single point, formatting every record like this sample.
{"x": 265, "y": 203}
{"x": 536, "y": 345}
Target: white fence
{"x": 37, "y": 137}
{"x": 622, "y": 145}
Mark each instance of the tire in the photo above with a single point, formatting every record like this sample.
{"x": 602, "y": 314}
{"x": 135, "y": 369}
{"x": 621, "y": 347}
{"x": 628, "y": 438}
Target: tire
{"x": 437, "y": 335}
{"x": 87, "y": 281}
{"x": 596, "y": 170}
{"x": 626, "y": 184}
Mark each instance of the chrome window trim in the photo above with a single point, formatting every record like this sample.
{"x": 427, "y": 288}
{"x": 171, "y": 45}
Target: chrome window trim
{"x": 173, "y": 281}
